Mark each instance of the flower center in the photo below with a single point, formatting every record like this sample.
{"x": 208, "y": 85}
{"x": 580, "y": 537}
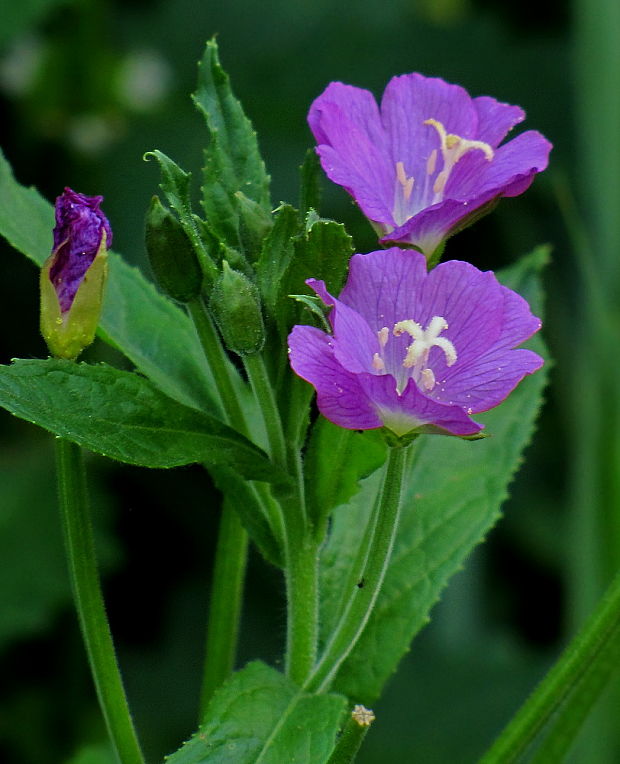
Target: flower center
{"x": 453, "y": 147}
{"x": 415, "y": 362}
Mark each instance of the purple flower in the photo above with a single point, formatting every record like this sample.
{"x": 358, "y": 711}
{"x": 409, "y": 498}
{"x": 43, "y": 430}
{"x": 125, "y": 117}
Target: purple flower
{"x": 415, "y": 351}
{"x": 428, "y": 162}
{"x": 80, "y": 227}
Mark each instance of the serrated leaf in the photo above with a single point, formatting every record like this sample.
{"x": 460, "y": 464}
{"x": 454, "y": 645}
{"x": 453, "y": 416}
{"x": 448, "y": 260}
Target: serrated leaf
{"x": 125, "y": 417}
{"x": 336, "y": 460}
{"x": 276, "y": 255}
{"x": 323, "y": 252}
{"x": 310, "y": 182}
{"x": 260, "y": 717}
{"x": 232, "y": 159}
{"x": 154, "y": 333}
{"x": 452, "y": 498}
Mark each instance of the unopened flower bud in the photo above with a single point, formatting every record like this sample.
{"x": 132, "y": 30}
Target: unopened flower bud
{"x": 254, "y": 224}
{"x": 73, "y": 277}
{"x": 172, "y": 256}
{"x": 235, "y": 303}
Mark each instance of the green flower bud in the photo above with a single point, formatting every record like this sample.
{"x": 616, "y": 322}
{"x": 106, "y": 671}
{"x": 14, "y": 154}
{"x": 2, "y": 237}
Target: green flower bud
{"x": 235, "y": 304}
{"x": 254, "y": 224}
{"x": 172, "y": 256}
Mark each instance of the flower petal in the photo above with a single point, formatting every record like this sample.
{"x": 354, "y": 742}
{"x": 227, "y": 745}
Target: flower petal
{"x": 509, "y": 173}
{"x": 487, "y": 381}
{"x": 353, "y": 342}
{"x": 408, "y": 101}
{"x": 340, "y": 397}
{"x": 352, "y": 146}
{"x": 495, "y": 119}
{"x": 412, "y": 410}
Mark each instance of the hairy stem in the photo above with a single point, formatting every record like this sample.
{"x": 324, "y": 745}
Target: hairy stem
{"x": 384, "y": 519}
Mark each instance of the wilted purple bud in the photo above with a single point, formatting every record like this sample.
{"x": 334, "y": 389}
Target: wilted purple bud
{"x": 80, "y": 226}
{"x": 72, "y": 279}
{"x": 416, "y": 352}
{"x": 428, "y": 161}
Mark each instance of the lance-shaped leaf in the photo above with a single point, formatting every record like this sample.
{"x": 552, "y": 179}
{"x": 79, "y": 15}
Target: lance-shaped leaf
{"x": 232, "y": 160}
{"x": 310, "y": 183}
{"x": 260, "y": 716}
{"x": 277, "y": 253}
{"x": 154, "y": 333}
{"x": 123, "y": 416}
{"x": 452, "y": 498}
{"x": 336, "y": 460}
{"x": 323, "y": 248}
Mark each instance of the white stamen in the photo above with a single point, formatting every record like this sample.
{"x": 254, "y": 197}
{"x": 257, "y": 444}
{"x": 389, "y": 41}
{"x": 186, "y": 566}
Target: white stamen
{"x": 440, "y": 182}
{"x": 428, "y": 379}
{"x": 431, "y": 162}
{"x": 383, "y": 335}
{"x": 377, "y": 362}
{"x": 405, "y": 182}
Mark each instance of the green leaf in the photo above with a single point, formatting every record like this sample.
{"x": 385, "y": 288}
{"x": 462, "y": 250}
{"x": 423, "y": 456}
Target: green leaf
{"x": 322, "y": 252}
{"x": 336, "y": 460}
{"x": 310, "y": 186}
{"x": 232, "y": 160}
{"x": 26, "y": 219}
{"x": 254, "y": 224}
{"x": 243, "y": 497}
{"x": 451, "y": 500}
{"x": 260, "y": 717}
{"x": 123, "y": 416}
{"x": 277, "y": 253}
{"x": 154, "y": 333}
{"x": 175, "y": 184}
{"x": 316, "y": 306}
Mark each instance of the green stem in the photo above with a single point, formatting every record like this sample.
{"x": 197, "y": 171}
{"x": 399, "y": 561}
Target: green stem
{"x": 303, "y": 609}
{"x": 225, "y": 606}
{"x": 301, "y": 548}
{"x": 218, "y": 361}
{"x": 232, "y": 541}
{"x": 385, "y": 517}
{"x": 80, "y": 548}
{"x": 569, "y": 689}
{"x": 263, "y": 392}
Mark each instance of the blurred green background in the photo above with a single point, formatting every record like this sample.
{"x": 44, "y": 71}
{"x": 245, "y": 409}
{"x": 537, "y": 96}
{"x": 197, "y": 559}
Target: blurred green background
{"x": 86, "y": 87}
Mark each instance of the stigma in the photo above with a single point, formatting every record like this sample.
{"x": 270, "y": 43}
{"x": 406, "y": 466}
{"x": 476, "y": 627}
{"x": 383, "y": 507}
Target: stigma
{"x": 424, "y": 340}
{"x": 415, "y": 364}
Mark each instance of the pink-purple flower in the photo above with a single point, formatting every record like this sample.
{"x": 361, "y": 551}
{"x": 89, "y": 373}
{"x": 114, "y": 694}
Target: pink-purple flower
{"x": 412, "y": 350}
{"x": 426, "y": 163}
{"x": 80, "y": 227}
